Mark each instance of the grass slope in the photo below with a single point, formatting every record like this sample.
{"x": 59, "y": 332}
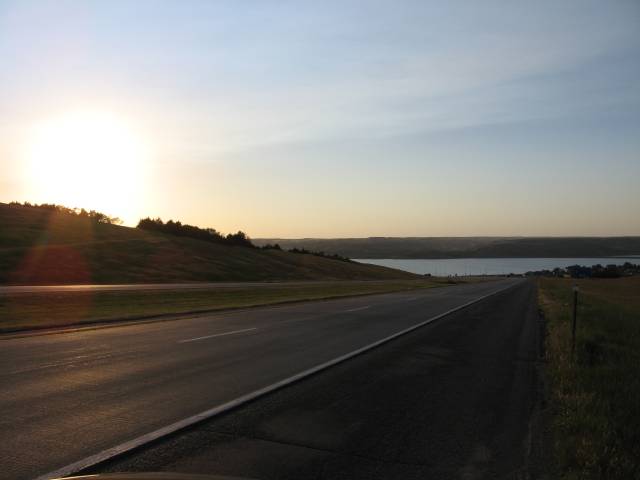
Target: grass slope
{"x": 41, "y": 247}
{"x": 595, "y": 397}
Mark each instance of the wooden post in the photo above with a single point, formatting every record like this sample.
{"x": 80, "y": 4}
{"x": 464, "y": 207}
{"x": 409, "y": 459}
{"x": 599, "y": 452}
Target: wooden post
{"x": 575, "y": 315}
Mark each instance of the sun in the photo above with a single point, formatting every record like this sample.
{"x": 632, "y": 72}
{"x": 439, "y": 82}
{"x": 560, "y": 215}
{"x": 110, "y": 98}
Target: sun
{"x": 91, "y": 160}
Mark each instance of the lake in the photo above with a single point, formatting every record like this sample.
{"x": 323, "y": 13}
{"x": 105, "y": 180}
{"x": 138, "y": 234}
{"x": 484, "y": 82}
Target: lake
{"x": 490, "y": 266}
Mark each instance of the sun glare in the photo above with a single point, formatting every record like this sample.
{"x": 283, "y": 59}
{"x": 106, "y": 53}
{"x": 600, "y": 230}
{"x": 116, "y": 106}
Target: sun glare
{"x": 91, "y": 160}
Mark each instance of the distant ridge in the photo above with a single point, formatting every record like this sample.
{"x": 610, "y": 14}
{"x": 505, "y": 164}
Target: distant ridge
{"x": 467, "y": 247}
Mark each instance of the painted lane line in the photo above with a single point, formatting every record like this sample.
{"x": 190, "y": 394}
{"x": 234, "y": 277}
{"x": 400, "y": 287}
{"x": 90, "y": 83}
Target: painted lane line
{"x": 357, "y": 309}
{"x": 216, "y": 335}
{"x": 237, "y": 402}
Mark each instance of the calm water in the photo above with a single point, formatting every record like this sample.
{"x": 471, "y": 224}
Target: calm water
{"x": 491, "y": 266}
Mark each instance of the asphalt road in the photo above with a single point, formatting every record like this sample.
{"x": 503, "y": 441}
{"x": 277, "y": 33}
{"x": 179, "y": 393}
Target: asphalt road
{"x": 65, "y": 397}
{"x": 455, "y": 399}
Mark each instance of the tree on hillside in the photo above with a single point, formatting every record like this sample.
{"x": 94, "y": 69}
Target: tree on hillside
{"x": 80, "y": 212}
{"x": 239, "y": 238}
{"x": 184, "y": 230}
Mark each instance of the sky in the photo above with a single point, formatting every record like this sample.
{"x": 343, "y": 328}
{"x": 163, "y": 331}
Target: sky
{"x": 328, "y": 119}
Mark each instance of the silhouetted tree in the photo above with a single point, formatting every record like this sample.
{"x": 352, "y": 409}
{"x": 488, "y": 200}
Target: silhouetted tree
{"x": 596, "y": 271}
{"x": 239, "y": 238}
{"x": 184, "y": 230}
{"x": 80, "y": 212}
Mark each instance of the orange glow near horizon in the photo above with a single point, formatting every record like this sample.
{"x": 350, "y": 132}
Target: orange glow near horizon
{"x": 93, "y": 160}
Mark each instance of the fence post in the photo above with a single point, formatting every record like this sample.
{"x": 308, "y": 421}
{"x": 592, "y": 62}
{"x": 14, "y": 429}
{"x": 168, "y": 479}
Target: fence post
{"x": 576, "y": 289}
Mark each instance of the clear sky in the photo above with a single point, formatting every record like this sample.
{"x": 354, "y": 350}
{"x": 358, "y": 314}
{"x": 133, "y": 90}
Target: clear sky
{"x": 328, "y": 119}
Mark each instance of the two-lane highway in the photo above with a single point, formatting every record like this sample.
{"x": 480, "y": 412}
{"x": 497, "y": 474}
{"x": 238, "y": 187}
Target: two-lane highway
{"x": 66, "y": 397}
{"x": 456, "y": 399}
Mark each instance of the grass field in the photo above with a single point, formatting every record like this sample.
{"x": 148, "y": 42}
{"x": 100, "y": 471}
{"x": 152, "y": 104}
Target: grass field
{"x": 29, "y": 310}
{"x": 595, "y": 397}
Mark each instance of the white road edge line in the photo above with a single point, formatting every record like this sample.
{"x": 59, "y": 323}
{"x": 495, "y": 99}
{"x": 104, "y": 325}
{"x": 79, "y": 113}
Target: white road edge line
{"x": 216, "y": 335}
{"x": 356, "y": 309}
{"x": 212, "y": 412}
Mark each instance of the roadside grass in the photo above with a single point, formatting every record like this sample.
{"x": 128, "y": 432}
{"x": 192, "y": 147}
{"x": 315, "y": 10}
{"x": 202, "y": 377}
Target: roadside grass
{"x": 20, "y": 311}
{"x": 595, "y": 397}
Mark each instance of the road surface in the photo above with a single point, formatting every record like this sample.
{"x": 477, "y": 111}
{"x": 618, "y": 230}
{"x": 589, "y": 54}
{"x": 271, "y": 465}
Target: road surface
{"x": 66, "y": 397}
{"x": 456, "y": 399}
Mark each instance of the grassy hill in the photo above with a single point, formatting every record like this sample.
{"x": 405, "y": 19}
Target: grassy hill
{"x": 45, "y": 247}
{"x": 466, "y": 247}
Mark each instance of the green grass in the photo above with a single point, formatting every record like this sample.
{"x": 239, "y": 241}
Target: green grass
{"x": 596, "y": 395}
{"x": 37, "y": 310}
{"x": 42, "y": 247}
